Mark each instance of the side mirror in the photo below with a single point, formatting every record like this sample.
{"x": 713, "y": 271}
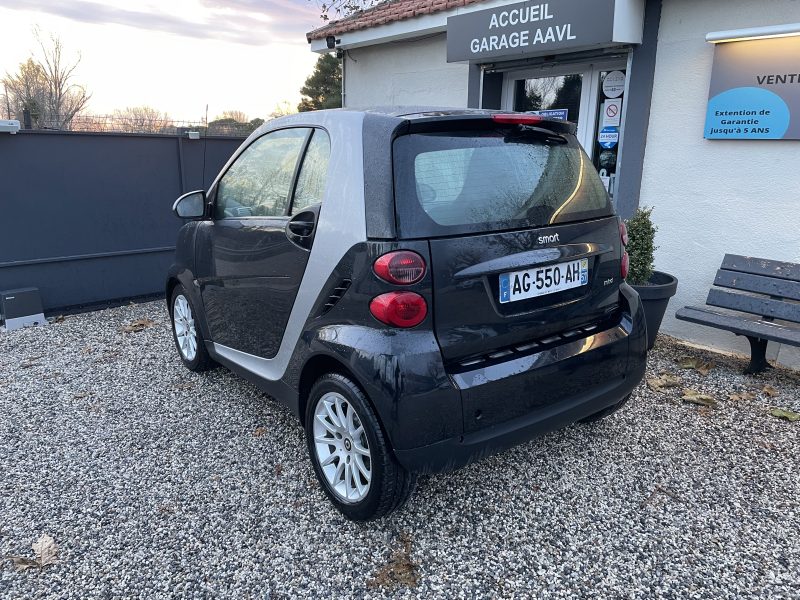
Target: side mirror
{"x": 191, "y": 205}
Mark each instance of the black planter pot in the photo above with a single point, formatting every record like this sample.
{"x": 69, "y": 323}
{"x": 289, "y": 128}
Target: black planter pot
{"x": 655, "y": 298}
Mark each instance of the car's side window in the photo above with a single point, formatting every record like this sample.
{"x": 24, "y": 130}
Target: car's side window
{"x": 313, "y": 174}
{"x": 259, "y": 183}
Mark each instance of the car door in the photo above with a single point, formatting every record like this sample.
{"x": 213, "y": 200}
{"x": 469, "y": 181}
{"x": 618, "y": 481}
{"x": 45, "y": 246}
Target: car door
{"x": 252, "y": 253}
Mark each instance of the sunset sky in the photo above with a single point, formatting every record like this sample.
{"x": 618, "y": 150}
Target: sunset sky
{"x": 175, "y": 56}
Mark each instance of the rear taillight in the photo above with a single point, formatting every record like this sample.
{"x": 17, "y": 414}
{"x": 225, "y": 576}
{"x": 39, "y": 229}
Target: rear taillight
{"x": 401, "y": 267}
{"x": 623, "y": 232}
{"x": 514, "y": 119}
{"x": 401, "y": 309}
{"x": 626, "y": 264}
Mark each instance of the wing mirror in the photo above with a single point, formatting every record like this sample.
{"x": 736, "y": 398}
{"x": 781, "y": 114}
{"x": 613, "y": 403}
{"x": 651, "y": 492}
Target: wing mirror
{"x": 191, "y": 205}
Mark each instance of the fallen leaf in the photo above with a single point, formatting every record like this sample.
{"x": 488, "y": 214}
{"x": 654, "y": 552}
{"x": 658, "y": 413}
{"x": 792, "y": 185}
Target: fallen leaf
{"x": 704, "y": 411}
{"x": 663, "y": 382}
{"x": 783, "y": 413}
{"x": 259, "y": 431}
{"x": 57, "y": 319}
{"x": 400, "y": 570}
{"x": 138, "y": 325}
{"x": 695, "y": 397}
{"x": 278, "y": 469}
{"x": 744, "y": 396}
{"x": 770, "y": 391}
{"x": 21, "y": 563}
{"x": 701, "y": 366}
{"x": 46, "y": 550}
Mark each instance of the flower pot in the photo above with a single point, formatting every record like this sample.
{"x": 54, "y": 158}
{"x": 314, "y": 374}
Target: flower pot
{"x": 655, "y": 296}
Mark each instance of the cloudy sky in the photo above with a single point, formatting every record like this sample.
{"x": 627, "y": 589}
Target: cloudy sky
{"x": 176, "y": 56}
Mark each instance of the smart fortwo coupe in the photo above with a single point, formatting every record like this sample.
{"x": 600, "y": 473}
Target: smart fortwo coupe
{"x": 422, "y": 288}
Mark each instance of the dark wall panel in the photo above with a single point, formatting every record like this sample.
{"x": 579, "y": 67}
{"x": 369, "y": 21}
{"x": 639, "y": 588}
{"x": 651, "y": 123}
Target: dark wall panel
{"x": 87, "y": 217}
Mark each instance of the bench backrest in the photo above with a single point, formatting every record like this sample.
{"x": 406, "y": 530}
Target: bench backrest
{"x": 776, "y": 281}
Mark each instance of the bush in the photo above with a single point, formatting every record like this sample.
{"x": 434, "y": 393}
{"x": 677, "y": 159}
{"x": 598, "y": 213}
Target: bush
{"x": 641, "y": 246}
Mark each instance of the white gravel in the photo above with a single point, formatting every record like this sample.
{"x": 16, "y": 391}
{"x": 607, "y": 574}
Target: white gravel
{"x": 156, "y": 483}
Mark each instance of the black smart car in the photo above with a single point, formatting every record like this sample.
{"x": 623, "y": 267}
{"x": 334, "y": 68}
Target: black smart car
{"x": 422, "y": 288}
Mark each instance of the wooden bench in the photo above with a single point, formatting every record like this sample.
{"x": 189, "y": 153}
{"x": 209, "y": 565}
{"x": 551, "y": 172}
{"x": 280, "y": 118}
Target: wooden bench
{"x": 766, "y": 288}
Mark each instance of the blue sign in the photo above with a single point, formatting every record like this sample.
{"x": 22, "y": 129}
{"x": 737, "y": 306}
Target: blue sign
{"x": 553, "y": 113}
{"x": 747, "y": 112}
{"x": 609, "y": 137}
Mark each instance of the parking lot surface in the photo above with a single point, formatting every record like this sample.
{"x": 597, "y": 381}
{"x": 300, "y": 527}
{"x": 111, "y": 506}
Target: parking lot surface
{"x": 155, "y": 482}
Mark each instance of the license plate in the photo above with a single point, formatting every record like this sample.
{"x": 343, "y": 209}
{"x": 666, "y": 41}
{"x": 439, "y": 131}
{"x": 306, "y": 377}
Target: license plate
{"x": 531, "y": 283}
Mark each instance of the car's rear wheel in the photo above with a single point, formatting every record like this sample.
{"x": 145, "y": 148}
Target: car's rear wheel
{"x": 350, "y": 452}
{"x": 186, "y": 332}
{"x": 606, "y": 412}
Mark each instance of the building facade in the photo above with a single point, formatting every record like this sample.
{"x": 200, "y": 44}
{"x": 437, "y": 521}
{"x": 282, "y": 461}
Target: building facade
{"x": 635, "y": 76}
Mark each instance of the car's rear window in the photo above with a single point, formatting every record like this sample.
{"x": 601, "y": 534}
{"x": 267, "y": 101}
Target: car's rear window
{"x": 465, "y": 182}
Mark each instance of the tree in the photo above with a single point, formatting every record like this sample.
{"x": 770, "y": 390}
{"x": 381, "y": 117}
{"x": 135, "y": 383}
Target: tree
{"x": 142, "y": 119}
{"x": 45, "y": 87}
{"x": 282, "y": 109}
{"x": 341, "y": 8}
{"x": 237, "y": 116}
{"x": 323, "y": 88}
{"x": 26, "y": 90}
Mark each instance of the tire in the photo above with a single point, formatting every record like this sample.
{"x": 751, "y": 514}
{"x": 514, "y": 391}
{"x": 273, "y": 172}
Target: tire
{"x": 606, "y": 412}
{"x": 358, "y": 446}
{"x": 186, "y": 332}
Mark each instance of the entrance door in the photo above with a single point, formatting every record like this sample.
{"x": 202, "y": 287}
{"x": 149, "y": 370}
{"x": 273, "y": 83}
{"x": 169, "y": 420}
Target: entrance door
{"x": 252, "y": 255}
{"x": 590, "y": 95}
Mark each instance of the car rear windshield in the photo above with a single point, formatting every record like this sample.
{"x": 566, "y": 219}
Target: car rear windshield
{"x": 477, "y": 181}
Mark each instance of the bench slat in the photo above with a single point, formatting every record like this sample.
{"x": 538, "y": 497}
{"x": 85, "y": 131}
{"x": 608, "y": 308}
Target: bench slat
{"x": 776, "y": 309}
{"x": 741, "y": 325}
{"x": 757, "y": 283}
{"x": 761, "y": 266}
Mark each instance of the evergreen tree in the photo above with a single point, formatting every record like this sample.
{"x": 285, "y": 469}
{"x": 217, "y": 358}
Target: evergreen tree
{"x": 323, "y": 88}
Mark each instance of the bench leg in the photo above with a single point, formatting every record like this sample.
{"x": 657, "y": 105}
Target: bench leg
{"x": 758, "y": 356}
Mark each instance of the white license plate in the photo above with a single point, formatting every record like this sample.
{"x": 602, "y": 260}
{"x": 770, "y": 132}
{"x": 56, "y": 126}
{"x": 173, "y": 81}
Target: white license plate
{"x": 521, "y": 285}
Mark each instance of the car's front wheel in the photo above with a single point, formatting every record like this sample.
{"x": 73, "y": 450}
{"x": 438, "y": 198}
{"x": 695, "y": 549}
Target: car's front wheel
{"x": 350, "y": 452}
{"x": 186, "y": 332}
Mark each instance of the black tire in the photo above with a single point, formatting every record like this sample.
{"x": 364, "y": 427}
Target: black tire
{"x": 606, "y": 412}
{"x": 201, "y": 361}
{"x": 390, "y": 485}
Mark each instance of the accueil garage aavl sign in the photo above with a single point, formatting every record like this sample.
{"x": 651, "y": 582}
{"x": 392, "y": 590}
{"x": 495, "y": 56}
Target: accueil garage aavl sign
{"x": 528, "y": 28}
{"x": 755, "y": 88}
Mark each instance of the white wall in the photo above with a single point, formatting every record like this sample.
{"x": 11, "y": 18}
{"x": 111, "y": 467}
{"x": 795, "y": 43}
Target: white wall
{"x": 404, "y": 73}
{"x": 713, "y": 197}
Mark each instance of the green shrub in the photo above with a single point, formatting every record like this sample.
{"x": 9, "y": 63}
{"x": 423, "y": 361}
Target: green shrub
{"x": 641, "y": 246}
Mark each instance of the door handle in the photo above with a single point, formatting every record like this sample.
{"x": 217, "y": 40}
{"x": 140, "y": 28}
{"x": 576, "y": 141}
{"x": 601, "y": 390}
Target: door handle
{"x": 300, "y": 228}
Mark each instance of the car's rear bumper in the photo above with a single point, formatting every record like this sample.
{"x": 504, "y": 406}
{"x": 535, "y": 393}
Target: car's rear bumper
{"x": 512, "y": 402}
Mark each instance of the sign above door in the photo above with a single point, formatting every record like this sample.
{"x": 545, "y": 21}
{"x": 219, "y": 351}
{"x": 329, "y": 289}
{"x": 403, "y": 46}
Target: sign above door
{"x": 540, "y": 28}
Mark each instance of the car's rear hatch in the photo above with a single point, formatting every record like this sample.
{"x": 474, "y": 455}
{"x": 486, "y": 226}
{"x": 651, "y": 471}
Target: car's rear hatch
{"x": 524, "y": 244}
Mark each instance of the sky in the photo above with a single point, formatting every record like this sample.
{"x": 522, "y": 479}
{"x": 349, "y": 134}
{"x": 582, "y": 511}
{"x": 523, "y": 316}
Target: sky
{"x": 175, "y": 55}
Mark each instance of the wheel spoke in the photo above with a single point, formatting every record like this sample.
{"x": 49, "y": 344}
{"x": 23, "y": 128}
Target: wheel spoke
{"x": 362, "y": 467}
{"x": 331, "y": 457}
{"x": 330, "y": 427}
{"x": 348, "y": 484}
{"x": 340, "y": 412}
{"x": 337, "y": 476}
{"x": 332, "y": 415}
{"x": 359, "y": 449}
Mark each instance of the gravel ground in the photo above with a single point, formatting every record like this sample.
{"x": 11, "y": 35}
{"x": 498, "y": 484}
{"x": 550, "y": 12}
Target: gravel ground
{"x": 155, "y": 482}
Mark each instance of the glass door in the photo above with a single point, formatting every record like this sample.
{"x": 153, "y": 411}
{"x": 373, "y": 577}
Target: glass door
{"x": 590, "y": 95}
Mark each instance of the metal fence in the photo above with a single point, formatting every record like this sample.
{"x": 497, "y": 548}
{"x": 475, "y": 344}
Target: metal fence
{"x": 86, "y": 217}
{"x": 148, "y": 122}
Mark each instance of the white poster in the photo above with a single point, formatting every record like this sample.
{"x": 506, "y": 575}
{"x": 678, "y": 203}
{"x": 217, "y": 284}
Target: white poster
{"x": 612, "y": 112}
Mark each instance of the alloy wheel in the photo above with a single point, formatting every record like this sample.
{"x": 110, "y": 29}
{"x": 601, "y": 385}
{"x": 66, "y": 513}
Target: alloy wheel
{"x": 342, "y": 448}
{"x": 185, "y": 331}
